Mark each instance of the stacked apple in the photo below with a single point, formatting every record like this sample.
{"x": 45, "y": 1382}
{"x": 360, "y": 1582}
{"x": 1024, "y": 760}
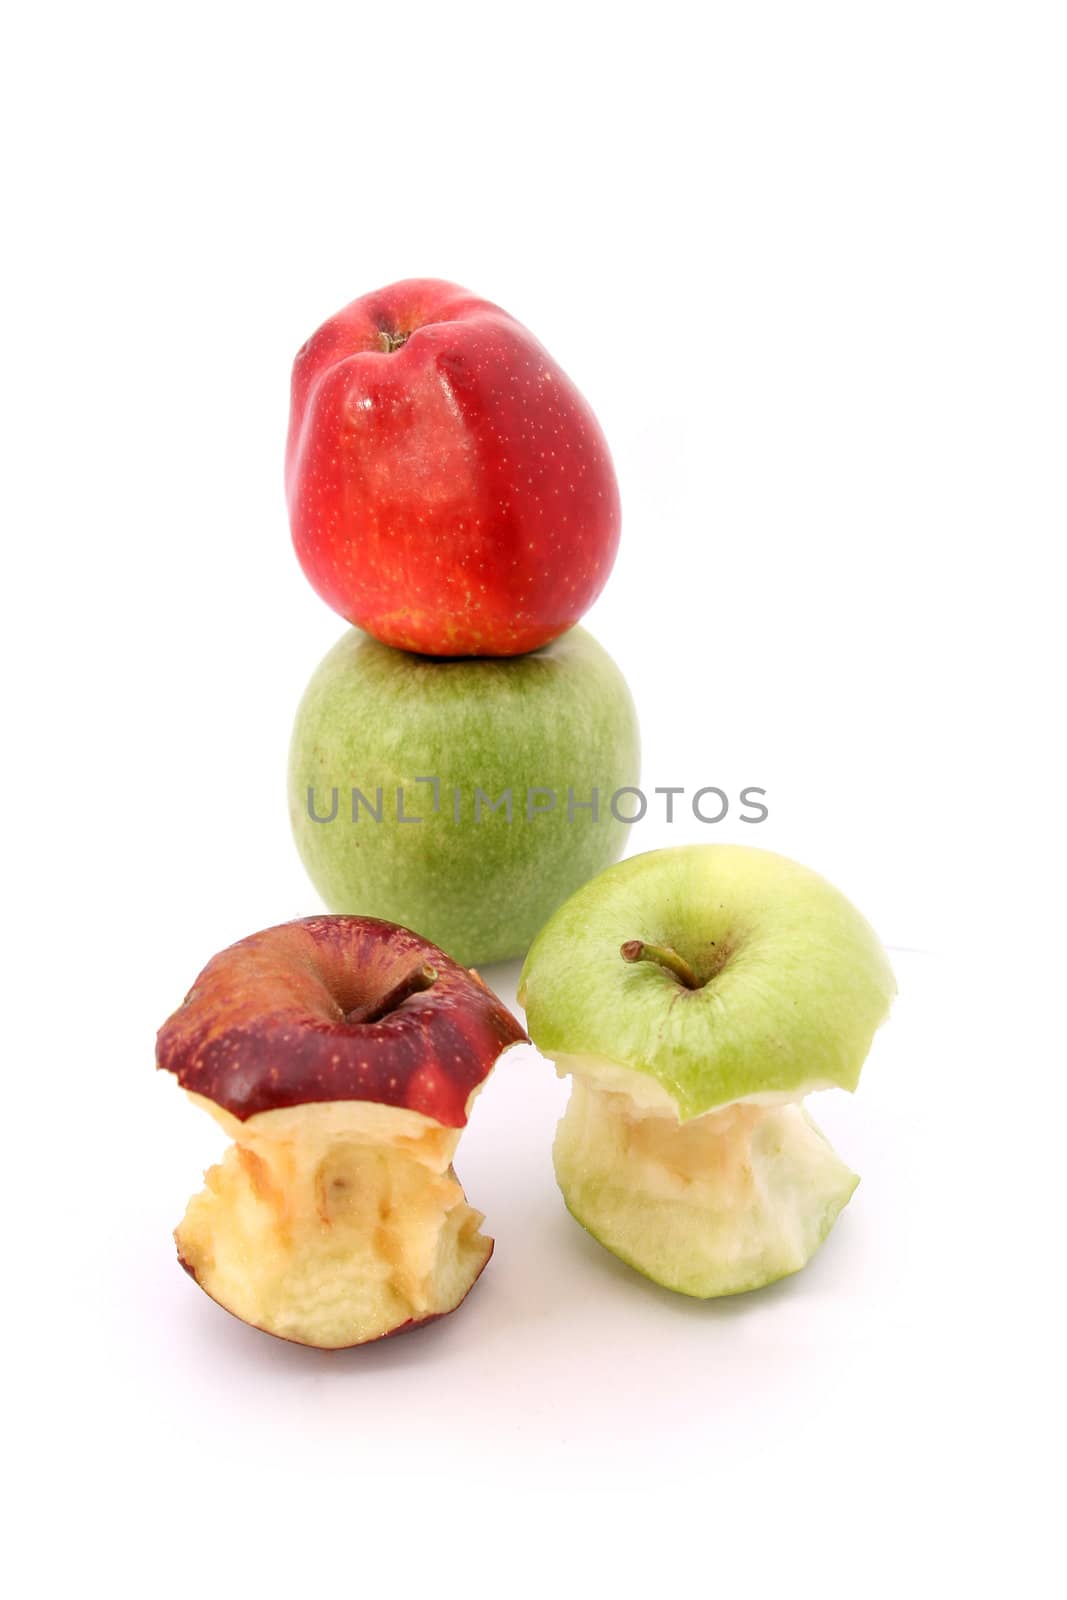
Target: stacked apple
{"x": 452, "y": 495}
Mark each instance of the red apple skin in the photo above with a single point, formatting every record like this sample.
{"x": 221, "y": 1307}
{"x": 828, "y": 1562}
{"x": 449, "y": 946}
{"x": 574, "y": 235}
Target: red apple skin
{"x": 266, "y": 1024}
{"x": 449, "y": 489}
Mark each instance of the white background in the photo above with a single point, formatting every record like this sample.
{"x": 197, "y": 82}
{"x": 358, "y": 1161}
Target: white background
{"x": 808, "y": 264}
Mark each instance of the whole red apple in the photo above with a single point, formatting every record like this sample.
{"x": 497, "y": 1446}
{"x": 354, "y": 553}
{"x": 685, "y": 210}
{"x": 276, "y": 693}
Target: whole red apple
{"x": 449, "y": 489}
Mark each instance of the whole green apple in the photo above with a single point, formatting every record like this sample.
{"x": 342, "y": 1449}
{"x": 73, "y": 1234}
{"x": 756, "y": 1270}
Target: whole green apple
{"x": 465, "y": 799}
{"x": 696, "y": 995}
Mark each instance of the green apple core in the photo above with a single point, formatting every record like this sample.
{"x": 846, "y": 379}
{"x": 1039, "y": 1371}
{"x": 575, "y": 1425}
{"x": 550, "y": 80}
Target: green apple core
{"x": 726, "y": 1202}
{"x": 696, "y": 995}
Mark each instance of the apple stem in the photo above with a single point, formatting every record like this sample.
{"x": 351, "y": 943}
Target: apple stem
{"x": 416, "y": 982}
{"x": 663, "y": 956}
{"x": 390, "y": 340}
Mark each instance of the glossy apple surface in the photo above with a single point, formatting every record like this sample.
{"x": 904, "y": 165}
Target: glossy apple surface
{"x": 793, "y": 979}
{"x": 381, "y": 720}
{"x": 449, "y": 489}
{"x": 341, "y": 1056}
{"x": 696, "y": 995}
{"x": 333, "y": 1009}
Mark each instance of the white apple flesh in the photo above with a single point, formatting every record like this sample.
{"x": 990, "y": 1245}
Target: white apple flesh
{"x": 728, "y": 1201}
{"x": 334, "y": 1224}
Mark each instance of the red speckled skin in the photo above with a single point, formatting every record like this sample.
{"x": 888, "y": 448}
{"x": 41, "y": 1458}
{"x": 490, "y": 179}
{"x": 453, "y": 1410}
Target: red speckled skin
{"x": 264, "y": 1026}
{"x": 454, "y": 495}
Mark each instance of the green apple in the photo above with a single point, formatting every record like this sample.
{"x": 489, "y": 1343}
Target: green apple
{"x": 696, "y": 995}
{"x": 465, "y": 799}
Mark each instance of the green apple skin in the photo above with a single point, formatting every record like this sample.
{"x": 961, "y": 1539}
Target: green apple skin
{"x": 373, "y": 717}
{"x": 795, "y": 980}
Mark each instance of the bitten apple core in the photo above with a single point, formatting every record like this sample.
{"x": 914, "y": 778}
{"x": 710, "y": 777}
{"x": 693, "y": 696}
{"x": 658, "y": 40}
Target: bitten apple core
{"x": 341, "y": 1055}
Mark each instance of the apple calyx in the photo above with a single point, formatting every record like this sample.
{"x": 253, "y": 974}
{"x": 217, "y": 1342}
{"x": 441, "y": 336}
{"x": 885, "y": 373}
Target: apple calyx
{"x": 416, "y": 982}
{"x": 664, "y": 956}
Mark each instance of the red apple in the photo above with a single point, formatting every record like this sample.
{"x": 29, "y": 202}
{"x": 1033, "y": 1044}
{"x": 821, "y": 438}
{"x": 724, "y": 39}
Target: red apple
{"x": 341, "y": 1054}
{"x": 336, "y": 1008}
{"x": 449, "y": 489}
